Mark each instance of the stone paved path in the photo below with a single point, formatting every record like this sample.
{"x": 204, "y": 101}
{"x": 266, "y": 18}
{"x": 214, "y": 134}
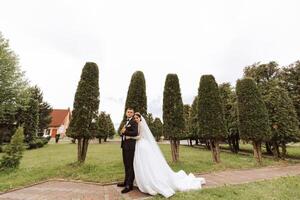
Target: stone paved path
{"x": 68, "y": 190}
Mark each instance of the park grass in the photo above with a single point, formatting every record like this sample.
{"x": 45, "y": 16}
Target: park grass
{"x": 281, "y": 188}
{"x": 104, "y": 164}
{"x": 293, "y": 150}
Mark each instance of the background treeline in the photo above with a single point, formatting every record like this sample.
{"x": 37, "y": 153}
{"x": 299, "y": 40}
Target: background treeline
{"x": 263, "y": 109}
{"x": 20, "y": 103}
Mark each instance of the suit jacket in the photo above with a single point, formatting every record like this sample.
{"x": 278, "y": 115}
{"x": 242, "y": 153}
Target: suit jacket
{"x": 131, "y": 130}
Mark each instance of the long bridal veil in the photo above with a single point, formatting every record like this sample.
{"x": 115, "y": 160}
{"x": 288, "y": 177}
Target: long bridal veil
{"x": 153, "y": 174}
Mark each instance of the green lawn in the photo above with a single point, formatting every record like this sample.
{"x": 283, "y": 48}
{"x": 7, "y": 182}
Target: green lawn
{"x": 277, "y": 189}
{"x": 104, "y": 164}
{"x": 293, "y": 149}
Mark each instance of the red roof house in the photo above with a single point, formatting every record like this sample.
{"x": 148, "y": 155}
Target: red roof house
{"x": 60, "y": 122}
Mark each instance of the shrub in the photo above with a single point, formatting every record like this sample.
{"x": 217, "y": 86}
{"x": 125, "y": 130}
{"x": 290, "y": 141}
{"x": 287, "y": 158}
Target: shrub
{"x": 13, "y": 151}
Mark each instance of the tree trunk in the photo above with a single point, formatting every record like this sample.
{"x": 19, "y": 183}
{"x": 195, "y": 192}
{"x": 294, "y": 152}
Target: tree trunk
{"x": 217, "y": 146}
{"x": 275, "y": 150}
{"x": 99, "y": 140}
{"x": 283, "y": 148}
{"x": 230, "y": 143}
{"x": 86, "y": 144}
{"x": 175, "y": 149}
{"x": 215, "y": 150}
{"x": 82, "y": 149}
{"x": 269, "y": 148}
{"x": 235, "y": 143}
{"x": 105, "y": 139}
{"x": 207, "y": 144}
{"x": 257, "y": 151}
{"x": 79, "y": 148}
{"x": 172, "y": 150}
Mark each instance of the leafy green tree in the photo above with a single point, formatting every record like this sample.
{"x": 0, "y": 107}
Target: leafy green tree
{"x": 252, "y": 115}
{"x": 85, "y": 109}
{"x": 110, "y": 127}
{"x": 102, "y": 127}
{"x": 290, "y": 80}
{"x": 157, "y": 128}
{"x": 210, "y": 115}
{"x": 263, "y": 74}
{"x": 44, "y": 110}
{"x": 228, "y": 99}
{"x": 106, "y": 127}
{"x": 31, "y": 121}
{"x": 193, "y": 122}
{"x": 173, "y": 118}
{"x": 13, "y": 90}
{"x": 186, "y": 115}
{"x": 283, "y": 120}
{"x": 13, "y": 151}
{"x": 149, "y": 119}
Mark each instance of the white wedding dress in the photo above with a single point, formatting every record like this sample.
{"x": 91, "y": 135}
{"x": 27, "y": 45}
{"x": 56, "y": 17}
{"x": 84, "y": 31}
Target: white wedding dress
{"x": 153, "y": 175}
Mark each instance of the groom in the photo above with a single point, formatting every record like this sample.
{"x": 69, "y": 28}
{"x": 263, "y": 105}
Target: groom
{"x": 128, "y": 148}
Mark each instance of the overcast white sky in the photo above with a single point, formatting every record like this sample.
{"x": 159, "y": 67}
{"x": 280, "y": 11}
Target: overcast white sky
{"x": 54, "y": 39}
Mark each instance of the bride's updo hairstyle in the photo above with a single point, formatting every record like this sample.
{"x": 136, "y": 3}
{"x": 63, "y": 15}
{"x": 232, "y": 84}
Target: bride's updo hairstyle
{"x": 139, "y": 115}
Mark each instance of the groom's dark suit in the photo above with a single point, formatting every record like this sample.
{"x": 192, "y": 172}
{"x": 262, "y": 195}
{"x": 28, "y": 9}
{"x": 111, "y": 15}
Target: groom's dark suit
{"x": 128, "y": 148}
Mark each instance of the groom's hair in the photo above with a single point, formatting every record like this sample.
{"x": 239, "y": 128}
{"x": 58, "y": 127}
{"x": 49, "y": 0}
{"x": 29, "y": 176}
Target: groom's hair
{"x": 129, "y": 108}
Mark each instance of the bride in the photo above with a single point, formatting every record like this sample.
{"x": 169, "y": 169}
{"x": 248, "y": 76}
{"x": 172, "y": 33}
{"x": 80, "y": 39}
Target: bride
{"x": 153, "y": 175}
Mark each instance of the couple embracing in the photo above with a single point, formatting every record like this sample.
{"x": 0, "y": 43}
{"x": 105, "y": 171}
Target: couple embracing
{"x": 145, "y": 163}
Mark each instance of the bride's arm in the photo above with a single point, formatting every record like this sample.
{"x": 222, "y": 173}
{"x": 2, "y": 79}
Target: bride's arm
{"x": 134, "y": 137}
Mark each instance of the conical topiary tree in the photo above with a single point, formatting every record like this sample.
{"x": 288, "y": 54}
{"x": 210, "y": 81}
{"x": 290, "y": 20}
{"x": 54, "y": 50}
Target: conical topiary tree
{"x": 252, "y": 115}
{"x": 210, "y": 115}
{"x": 85, "y": 109}
{"x": 283, "y": 120}
{"x": 173, "y": 120}
{"x": 136, "y": 95}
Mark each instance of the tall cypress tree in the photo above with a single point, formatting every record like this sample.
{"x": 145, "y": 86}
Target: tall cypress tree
{"x": 210, "y": 115}
{"x": 252, "y": 115}
{"x": 85, "y": 109}
{"x": 136, "y": 95}
{"x": 283, "y": 120}
{"x": 173, "y": 118}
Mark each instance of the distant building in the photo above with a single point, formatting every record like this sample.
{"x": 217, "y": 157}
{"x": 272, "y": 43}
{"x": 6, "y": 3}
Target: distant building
{"x": 60, "y": 122}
